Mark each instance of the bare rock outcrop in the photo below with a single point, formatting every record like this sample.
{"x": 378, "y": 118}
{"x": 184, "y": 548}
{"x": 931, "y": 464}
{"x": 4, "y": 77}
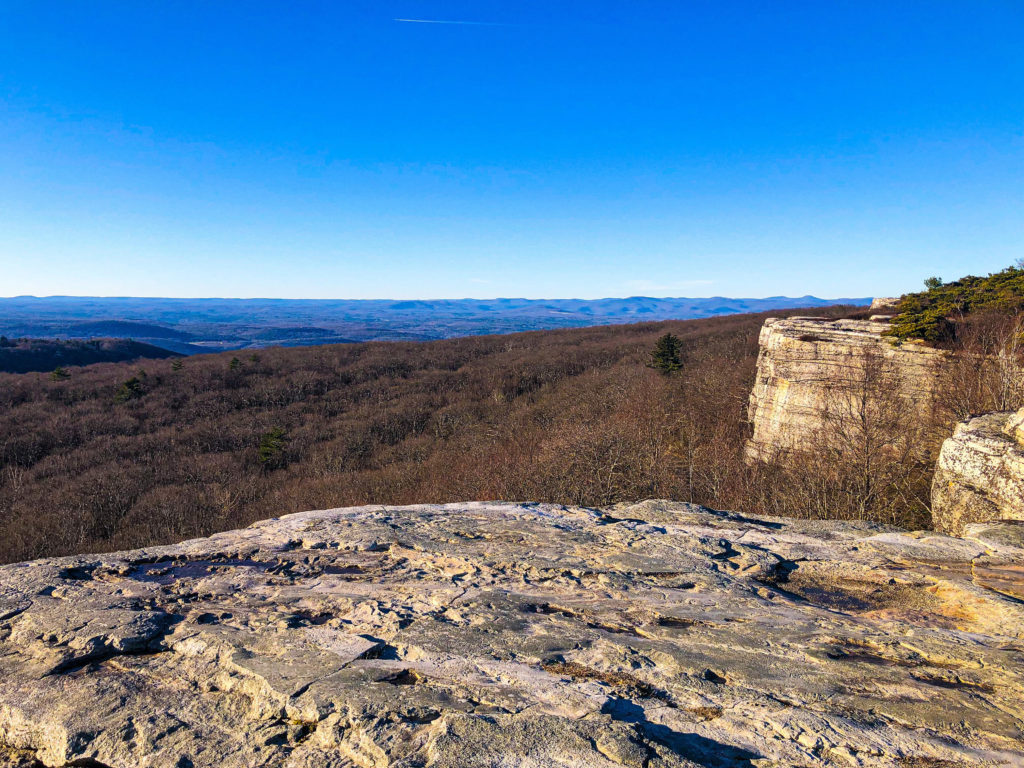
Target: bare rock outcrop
{"x": 980, "y": 473}
{"x": 809, "y": 366}
{"x": 520, "y": 635}
{"x": 884, "y": 304}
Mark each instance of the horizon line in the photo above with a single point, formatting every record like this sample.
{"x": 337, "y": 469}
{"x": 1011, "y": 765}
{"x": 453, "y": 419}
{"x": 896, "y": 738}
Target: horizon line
{"x": 461, "y": 298}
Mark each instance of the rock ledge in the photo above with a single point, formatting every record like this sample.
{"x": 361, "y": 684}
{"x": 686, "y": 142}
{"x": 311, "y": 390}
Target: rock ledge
{"x": 488, "y": 634}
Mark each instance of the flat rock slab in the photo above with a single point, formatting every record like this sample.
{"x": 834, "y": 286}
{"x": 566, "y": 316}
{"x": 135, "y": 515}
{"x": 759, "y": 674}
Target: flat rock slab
{"x": 521, "y": 635}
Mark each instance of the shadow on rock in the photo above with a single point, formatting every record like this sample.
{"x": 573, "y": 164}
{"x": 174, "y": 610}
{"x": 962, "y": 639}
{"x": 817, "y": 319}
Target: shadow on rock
{"x": 699, "y": 749}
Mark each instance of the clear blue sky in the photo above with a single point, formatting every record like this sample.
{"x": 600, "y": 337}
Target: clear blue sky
{"x": 551, "y": 148}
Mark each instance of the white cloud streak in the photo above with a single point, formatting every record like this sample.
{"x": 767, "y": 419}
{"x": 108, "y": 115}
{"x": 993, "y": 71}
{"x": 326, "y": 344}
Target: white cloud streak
{"x": 441, "y": 21}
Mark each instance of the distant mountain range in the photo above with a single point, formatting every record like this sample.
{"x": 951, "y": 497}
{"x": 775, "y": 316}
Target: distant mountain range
{"x": 189, "y": 326}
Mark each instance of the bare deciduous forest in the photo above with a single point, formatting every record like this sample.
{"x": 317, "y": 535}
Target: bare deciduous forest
{"x": 117, "y": 456}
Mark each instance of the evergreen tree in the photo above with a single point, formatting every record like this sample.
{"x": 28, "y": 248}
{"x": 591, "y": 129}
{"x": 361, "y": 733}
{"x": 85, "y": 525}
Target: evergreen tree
{"x": 130, "y": 389}
{"x": 59, "y": 374}
{"x": 271, "y": 448}
{"x": 666, "y": 356}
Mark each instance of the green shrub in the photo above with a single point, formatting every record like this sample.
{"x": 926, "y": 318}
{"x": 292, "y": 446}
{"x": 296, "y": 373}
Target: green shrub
{"x": 931, "y": 314}
{"x": 130, "y": 390}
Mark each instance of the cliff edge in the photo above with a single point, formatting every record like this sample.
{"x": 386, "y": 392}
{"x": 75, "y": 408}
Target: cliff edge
{"x": 488, "y": 634}
{"x": 806, "y": 364}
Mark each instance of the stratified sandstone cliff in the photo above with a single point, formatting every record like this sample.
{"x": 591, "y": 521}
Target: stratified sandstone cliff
{"x": 980, "y": 473}
{"x": 806, "y": 364}
{"x": 504, "y": 635}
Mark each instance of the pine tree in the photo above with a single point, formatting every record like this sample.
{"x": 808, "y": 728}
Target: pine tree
{"x": 131, "y": 389}
{"x": 666, "y": 355}
{"x": 271, "y": 449}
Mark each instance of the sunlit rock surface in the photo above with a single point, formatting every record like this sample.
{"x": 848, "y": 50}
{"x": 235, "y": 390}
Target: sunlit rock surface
{"x": 489, "y": 634}
{"x": 887, "y": 304}
{"x": 805, "y": 361}
{"x": 980, "y": 473}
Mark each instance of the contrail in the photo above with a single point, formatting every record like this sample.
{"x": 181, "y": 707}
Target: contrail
{"x": 439, "y": 21}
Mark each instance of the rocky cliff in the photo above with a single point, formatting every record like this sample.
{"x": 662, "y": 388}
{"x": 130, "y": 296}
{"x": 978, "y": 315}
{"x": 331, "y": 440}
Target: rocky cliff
{"x": 487, "y": 634}
{"x": 806, "y": 363}
{"x": 980, "y": 473}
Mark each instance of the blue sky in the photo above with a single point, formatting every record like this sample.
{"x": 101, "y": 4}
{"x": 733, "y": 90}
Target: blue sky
{"x": 549, "y": 149}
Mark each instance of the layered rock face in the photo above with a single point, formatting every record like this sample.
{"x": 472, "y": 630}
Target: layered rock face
{"x": 804, "y": 362}
{"x": 503, "y": 635}
{"x": 980, "y": 473}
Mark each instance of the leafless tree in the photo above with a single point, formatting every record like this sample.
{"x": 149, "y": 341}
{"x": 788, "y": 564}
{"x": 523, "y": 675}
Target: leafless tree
{"x": 986, "y": 367}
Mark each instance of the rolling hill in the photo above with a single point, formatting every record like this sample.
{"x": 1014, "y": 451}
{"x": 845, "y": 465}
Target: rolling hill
{"x": 26, "y": 355}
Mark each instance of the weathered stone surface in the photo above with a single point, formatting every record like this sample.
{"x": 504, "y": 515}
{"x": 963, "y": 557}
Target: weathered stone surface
{"x": 887, "y": 304}
{"x": 804, "y": 359}
{"x": 489, "y": 634}
{"x": 979, "y": 476}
